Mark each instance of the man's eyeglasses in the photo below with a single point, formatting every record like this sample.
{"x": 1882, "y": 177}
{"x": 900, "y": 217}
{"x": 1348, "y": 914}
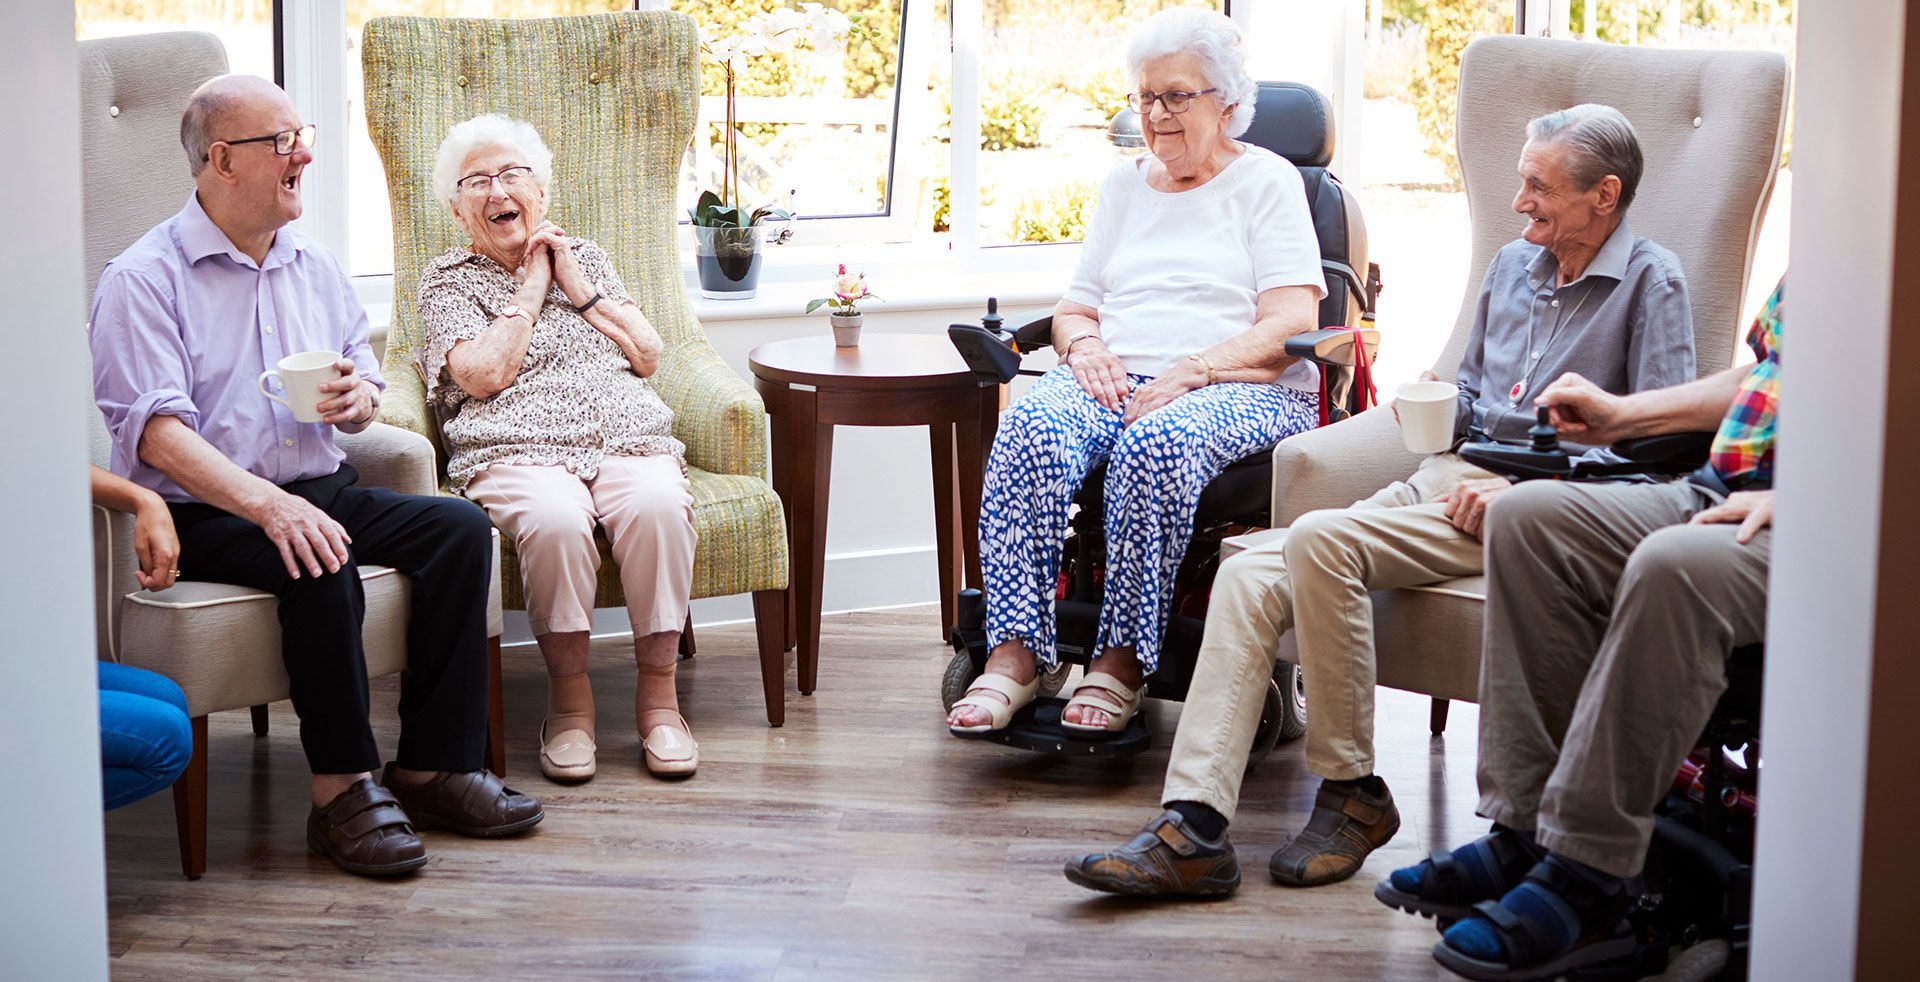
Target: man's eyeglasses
{"x": 284, "y": 142}
{"x": 1176, "y": 102}
{"x": 516, "y": 178}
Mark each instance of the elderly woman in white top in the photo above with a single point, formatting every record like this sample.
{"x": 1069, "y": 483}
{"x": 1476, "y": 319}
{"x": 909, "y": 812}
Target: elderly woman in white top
{"x": 1200, "y": 263}
{"x": 537, "y": 359}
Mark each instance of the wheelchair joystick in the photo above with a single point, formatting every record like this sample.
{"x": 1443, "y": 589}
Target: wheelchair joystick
{"x": 1542, "y": 457}
{"x": 1546, "y": 437}
{"x": 992, "y": 320}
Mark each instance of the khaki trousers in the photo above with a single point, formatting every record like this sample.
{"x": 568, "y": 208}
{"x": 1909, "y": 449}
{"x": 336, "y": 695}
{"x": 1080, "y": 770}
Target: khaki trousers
{"x": 1314, "y": 581}
{"x": 646, "y": 506}
{"x": 1608, "y": 625}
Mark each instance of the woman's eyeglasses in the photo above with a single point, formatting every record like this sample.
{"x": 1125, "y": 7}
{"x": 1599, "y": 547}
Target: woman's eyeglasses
{"x": 516, "y": 178}
{"x": 1176, "y": 102}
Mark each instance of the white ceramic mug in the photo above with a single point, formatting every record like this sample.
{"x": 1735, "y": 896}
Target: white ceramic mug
{"x": 301, "y": 376}
{"x": 1426, "y": 411}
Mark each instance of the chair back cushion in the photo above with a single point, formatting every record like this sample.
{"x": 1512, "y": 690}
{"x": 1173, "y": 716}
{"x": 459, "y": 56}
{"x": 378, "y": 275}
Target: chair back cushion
{"x": 134, "y": 176}
{"x": 1710, "y": 125}
{"x": 615, "y": 96}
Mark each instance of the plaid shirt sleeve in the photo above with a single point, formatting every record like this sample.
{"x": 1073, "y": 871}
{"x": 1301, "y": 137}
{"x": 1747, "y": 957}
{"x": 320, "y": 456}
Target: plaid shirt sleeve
{"x": 1743, "y": 448}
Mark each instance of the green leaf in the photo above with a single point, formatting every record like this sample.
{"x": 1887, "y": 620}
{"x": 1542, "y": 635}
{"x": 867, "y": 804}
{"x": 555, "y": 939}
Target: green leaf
{"x": 813, "y": 305}
{"x": 707, "y": 198}
{"x": 765, "y": 212}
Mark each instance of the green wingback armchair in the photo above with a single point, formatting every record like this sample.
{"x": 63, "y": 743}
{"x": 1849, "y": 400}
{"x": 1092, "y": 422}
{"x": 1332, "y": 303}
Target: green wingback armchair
{"x": 616, "y": 97}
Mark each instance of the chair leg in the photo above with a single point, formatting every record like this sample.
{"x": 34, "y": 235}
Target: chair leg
{"x": 686, "y": 637}
{"x": 496, "y": 712}
{"x": 770, "y": 627}
{"x": 1437, "y": 717}
{"x": 260, "y": 720}
{"x": 190, "y": 805}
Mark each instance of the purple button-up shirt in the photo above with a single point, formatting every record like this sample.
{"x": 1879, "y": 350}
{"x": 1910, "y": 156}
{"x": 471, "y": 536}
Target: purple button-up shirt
{"x": 184, "y": 323}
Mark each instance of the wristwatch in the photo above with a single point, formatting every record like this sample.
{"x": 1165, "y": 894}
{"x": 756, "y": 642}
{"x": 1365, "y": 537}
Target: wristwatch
{"x": 513, "y": 310}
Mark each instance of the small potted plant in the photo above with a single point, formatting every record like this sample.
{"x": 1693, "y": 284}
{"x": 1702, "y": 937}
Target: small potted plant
{"x": 848, "y": 290}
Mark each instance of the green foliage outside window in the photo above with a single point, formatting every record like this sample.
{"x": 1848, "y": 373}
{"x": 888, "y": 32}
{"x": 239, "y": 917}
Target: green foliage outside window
{"x": 1058, "y": 215}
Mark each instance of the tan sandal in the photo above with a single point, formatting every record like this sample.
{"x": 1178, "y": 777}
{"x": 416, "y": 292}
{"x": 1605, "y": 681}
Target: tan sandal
{"x": 1126, "y": 702}
{"x": 567, "y": 756}
{"x": 667, "y": 746}
{"x": 1014, "y": 696}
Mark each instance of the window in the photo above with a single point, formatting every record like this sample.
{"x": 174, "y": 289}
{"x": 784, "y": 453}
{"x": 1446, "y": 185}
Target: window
{"x": 245, "y": 27}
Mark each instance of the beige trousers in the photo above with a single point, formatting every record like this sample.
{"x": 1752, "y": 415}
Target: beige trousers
{"x": 646, "y": 507}
{"x": 1314, "y": 581}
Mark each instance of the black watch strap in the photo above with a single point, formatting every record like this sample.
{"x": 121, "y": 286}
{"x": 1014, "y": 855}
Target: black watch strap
{"x": 597, "y": 297}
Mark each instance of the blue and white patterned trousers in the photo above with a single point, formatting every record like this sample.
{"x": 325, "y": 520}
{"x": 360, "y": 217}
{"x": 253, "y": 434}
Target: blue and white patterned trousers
{"x": 1046, "y": 444}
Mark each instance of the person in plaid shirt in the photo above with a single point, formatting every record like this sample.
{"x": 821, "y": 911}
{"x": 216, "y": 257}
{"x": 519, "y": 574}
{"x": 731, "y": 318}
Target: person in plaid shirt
{"x": 1611, "y": 609}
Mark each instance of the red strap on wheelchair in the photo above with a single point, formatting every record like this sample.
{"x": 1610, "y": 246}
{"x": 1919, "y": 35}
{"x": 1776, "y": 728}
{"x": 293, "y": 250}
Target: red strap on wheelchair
{"x": 1365, "y": 396}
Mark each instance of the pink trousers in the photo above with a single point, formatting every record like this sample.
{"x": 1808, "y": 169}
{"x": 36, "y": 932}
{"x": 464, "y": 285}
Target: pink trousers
{"x": 646, "y": 507}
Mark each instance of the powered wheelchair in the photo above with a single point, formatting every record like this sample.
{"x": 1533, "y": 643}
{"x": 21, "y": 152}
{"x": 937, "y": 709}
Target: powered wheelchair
{"x": 1693, "y": 917}
{"x": 1294, "y": 121}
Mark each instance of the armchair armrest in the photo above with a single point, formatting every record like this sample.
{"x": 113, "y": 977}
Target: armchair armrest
{"x": 715, "y": 412}
{"x": 1332, "y": 345}
{"x": 404, "y": 404}
{"x": 1334, "y": 466}
{"x": 389, "y": 457}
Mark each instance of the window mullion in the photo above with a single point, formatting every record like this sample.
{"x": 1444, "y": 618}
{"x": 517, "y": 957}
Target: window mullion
{"x": 314, "y": 40}
{"x": 964, "y": 198}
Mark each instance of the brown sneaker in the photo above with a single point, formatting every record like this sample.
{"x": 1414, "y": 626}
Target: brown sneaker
{"x": 1165, "y": 859}
{"x": 468, "y": 802}
{"x": 363, "y": 830}
{"x": 1347, "y": 824}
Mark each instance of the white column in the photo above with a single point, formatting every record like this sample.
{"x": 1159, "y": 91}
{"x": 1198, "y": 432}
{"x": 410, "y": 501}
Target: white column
{"x": 315, "y": 53}
{"x": 53, "y": 918}
{"x": 1821, "y": 600}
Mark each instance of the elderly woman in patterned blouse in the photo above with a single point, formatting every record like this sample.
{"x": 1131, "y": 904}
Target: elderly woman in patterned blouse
{"x": 537, "y": 360}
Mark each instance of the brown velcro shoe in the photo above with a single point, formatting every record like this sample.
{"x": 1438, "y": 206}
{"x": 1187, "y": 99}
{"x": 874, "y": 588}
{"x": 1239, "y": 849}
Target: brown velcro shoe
{"x": 468, "y": 802}
{"x": 363, "y": 830}
{"x": 1165, "y": 859}
{"x": 1347, "y": 824}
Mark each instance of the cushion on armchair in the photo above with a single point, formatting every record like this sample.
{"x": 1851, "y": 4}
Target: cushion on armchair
{"x": 616, "y": 97}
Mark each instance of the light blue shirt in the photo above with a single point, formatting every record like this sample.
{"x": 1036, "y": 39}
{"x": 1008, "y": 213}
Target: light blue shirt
{"x": 184, "y": 323}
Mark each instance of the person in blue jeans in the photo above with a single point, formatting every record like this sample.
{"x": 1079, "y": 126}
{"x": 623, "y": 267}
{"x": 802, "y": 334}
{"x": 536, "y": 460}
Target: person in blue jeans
{"x": 145, "y": 739}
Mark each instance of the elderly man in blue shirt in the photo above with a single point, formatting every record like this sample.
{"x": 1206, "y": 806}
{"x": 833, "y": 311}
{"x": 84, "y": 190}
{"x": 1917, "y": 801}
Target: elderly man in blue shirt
{"x": 184, "y": 322}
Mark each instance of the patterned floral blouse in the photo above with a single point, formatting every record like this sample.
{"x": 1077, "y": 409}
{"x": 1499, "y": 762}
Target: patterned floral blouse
{"x": 576, "y": 400}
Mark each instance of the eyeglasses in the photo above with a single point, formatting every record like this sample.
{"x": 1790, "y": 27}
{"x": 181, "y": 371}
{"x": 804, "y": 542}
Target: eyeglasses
{"x": 516, "y": 178}
{"x": 1176, "y": 102}
{"x": 284, "y": 142}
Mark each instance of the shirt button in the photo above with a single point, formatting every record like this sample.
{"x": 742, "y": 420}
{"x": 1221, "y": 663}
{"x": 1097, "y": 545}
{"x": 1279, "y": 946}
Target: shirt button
{"x": 288, "y": 442}
{"x": 269, "y": 328}
{"x": 1554, "y": 303}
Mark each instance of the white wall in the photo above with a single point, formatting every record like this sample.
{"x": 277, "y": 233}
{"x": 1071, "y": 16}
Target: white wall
{"x": 1823, "y": 591}
{"x": 53, "y": 908}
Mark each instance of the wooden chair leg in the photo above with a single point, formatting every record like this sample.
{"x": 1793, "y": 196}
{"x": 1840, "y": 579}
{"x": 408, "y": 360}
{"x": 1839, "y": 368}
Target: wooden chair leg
{"x": 686, "y": 637}
{"x": 1437, "y": 717}
{"x": 496, "y": 712}
{"x": 260, "y": 720}
{"x": 770, "y": 628}
{"x": 190, "y": 805}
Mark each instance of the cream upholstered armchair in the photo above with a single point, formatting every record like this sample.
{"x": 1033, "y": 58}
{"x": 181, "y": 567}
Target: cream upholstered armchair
{"x": 220, "y": 643}
{"x": 616, "y": 97}
{"x": 1710, "y": 123}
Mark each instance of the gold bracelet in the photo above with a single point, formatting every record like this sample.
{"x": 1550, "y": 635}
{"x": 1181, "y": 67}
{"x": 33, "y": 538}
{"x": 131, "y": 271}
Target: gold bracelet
{"x": 1204, "y": 363}
{"x": 1076, "y": 339}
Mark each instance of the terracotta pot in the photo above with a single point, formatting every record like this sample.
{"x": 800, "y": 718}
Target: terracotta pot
{"x": 846, "y": 329}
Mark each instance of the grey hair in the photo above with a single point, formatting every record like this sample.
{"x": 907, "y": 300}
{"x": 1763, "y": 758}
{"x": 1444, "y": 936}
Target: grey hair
{"x": 1209, "y": 36}
{"x": 1602, "y": 141}
{"x": 196, "y": 124}
{"x": 488, "y": 130}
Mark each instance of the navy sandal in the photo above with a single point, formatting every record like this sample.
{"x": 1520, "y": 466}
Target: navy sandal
{"x": 1549, "y": 925}
{"x": 1446, "y": 885}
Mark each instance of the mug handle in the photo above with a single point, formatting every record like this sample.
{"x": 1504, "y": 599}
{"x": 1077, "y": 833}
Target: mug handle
{"x": 271, "y": 374}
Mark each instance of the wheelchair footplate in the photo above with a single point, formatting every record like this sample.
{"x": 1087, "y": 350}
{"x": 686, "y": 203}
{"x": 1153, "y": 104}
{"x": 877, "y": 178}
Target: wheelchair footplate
{"x": 1036, "y": 727}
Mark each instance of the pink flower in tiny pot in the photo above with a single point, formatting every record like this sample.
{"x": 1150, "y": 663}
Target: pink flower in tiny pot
{"x": 848, "y": 290}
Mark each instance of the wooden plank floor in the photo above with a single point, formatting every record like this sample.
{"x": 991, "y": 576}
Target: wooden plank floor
{"x": 858, "y": 841}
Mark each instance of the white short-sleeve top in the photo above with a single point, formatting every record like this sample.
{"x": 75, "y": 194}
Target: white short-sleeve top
{"x": 1175, "y": 273}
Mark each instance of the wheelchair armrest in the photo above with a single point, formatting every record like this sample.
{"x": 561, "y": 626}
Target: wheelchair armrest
{"x": 1684, "y": 451}
{"x": 1035, "y": 333}
{"x": 1332, "y": 345}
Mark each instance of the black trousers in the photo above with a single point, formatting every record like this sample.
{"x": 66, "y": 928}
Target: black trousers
{"x": 443, "y": 545}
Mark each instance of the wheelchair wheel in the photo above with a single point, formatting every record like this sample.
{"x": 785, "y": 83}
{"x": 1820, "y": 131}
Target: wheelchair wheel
{"x": 1291, "y": 682}
{"x": 1267, "y": 734}
{"x": 1051, "y": 682}
{"x": 1699, "y": 963}
{"x": 954, "y": 681}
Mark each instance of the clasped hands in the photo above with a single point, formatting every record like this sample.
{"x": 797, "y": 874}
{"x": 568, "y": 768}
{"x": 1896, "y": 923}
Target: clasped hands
{"x": 1103, "y": 376}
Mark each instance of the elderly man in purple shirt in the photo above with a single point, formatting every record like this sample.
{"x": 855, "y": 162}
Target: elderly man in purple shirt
{"x": 183, "y": 324}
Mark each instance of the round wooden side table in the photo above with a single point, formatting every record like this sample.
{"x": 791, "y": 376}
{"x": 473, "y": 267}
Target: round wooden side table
{"x": 810, "y": 386}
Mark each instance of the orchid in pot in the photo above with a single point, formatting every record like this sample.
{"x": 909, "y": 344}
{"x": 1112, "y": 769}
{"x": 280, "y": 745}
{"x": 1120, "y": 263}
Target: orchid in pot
{"x": 843, "y": 310}
{"x": 727, "y": 235}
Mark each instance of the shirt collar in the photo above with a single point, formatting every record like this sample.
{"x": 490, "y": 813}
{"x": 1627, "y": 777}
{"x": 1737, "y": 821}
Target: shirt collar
{"x": 1610, "y": 261}
{"x": 199, "y": 238}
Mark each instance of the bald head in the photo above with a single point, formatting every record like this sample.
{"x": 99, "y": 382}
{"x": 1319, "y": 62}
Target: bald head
{"x": 221, "y": 107}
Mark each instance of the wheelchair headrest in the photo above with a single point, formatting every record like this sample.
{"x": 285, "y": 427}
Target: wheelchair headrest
{"x": 1294, "y": 121}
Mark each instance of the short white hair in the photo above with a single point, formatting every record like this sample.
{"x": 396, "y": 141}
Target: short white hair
{"x": 480, "y": 132}
{"x": 1209, "y": 36}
